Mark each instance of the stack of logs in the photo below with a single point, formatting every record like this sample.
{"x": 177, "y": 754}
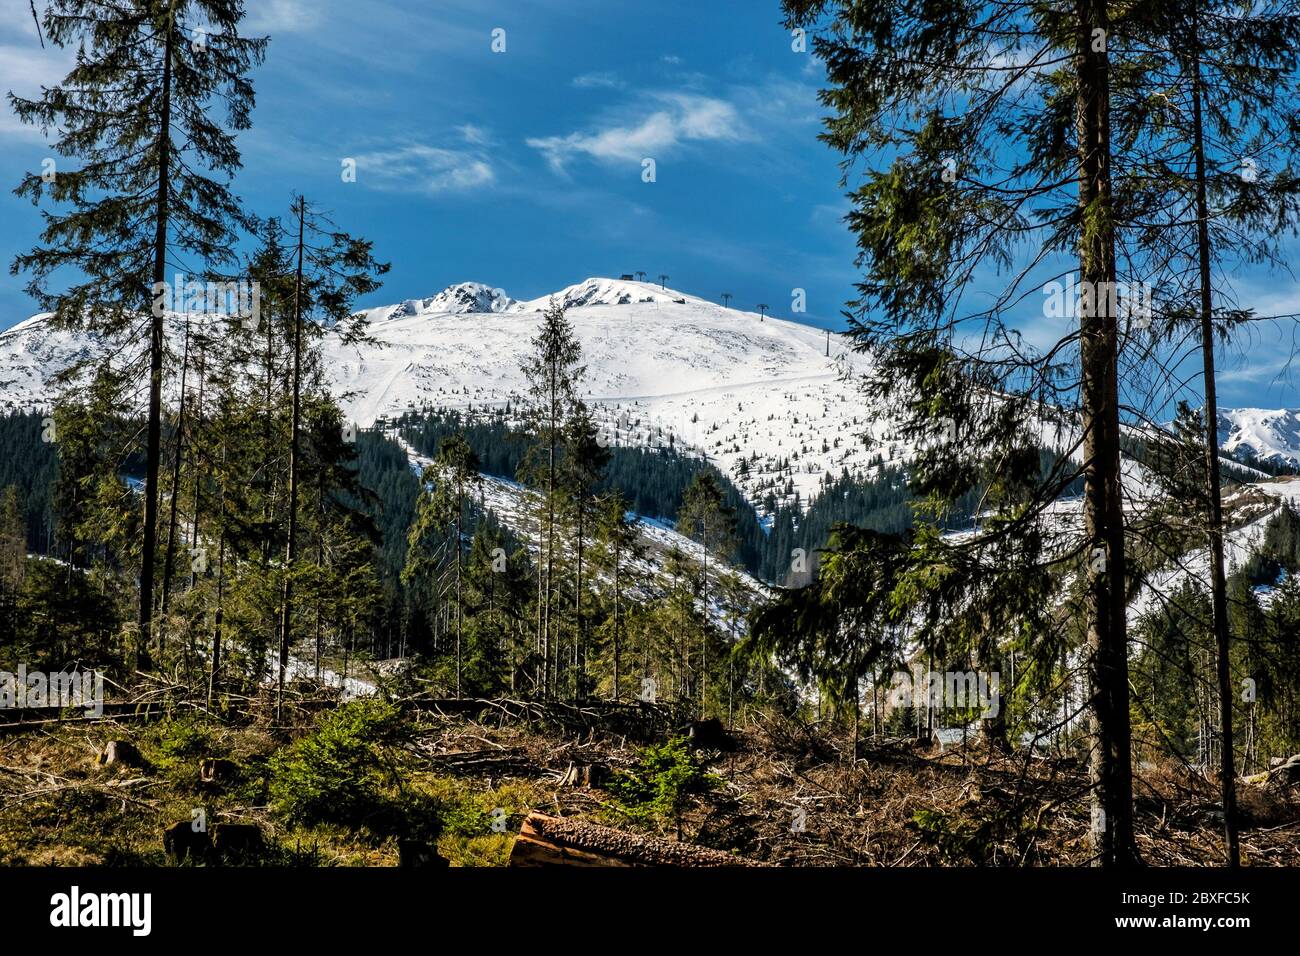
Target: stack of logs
{"x": 564, "y": 841}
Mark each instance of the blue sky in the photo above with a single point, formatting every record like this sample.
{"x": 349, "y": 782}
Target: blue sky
{"x": 523, "y": 169}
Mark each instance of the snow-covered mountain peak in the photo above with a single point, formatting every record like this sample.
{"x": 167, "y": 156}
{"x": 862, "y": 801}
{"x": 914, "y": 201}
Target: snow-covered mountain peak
{"x": 599, "y": 291}
{"x": 470, "y": 297}
{"x": 458, "y": 299}
{"x": 1267, "y": 434}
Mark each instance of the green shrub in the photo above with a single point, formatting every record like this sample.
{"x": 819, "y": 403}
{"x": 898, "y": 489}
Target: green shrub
{"x": 337, "y": 774}
{"x": 182, "y": 738}
{"x": 661, "y": 787}
{"x": 465, "y": 819}
{"x": 176, "y": 747}
{"x": 453, "y": 805}
{"x": 958, "y": 839}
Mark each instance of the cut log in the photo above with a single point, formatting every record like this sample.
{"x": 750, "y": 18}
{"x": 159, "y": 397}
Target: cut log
{"x": 1285, "y": 774}
{"x": 564, "y": 841}
{"x": 471, "y": 762}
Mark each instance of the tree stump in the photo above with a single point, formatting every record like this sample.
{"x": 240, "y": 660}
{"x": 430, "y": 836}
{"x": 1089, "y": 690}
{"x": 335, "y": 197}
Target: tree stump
{"x": 181, "y": 842}
{"x": 414, "y": 853}
{"x": 216, "y": 770}
{"x": 238, "y": 839}
{"x": 120, "y": 752}
{"x": 709, "y": 735}
{"x": 584, "y": 775}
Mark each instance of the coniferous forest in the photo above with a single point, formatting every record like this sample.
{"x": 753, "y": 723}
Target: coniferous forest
{"x": 994, "y": 561}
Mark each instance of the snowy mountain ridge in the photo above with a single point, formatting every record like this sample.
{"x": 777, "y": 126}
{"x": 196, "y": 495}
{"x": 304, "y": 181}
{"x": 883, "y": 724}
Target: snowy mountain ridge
{"x": 1268, "y": 435}
{"x": 456, "y": 299}
{"x": 775, "y": 404}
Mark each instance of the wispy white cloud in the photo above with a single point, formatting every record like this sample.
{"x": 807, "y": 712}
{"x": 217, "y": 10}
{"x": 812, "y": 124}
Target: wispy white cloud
{"x": 419, "y": 168}
{"x": 1251, "y": 371}
{"x": 383, "y": 36}
{"x": 592, "y": 81}
{"x": 674, "y": 119}
{"x": 282, "y": 16}
{"x": 830, "y": 215}
{"x": 778, "y": 102}
{"x": 474, "y": 135}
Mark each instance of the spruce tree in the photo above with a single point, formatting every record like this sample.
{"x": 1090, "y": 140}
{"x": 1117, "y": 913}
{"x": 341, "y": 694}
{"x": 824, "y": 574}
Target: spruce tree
{"x": 986, "y": 135}
{"x": 552, "y": 371}
{"x": 13, "y": 559}
{"x": 331, "y": 270}
{"x": 706, "y": 517}
{"x": 498, "y": 586}
{"x": 584, "y": 464}
{"x": 136, "y": 112}
{"x": 617, "y": 535}
{"x": 1212, "y": 184}
{"x": 174, "y": 493}
{"x": 455, "y": 474}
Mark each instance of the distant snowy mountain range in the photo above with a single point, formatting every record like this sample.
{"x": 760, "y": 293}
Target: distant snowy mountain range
{"x": 1265, "y": 434}
{"x": 662, "y": 368}
{"x": 773, "y": 403}
{"x": 455, "y": 299}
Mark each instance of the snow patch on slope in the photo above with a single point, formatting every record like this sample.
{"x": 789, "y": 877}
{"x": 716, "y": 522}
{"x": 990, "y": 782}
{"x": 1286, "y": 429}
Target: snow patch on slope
{"x": 509, "y": 501}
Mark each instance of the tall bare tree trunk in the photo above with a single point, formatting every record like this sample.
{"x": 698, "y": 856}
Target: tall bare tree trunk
{"x": 198, "y": 420}
{"x": 539, "y": 668}
{"x": 291, "y": 546}
{"x": 162, "y": 210}
{"x": 1218, "y": 577}
{"x": 460, "y": 506}
{"x": 704, "y": 629}
{"x": 169, "y": 558}
{"x": 214, "y": 675}
{"x": 617, "y": 548}
{"x": 1110, "y": 759}
{"x": 579, "y": 645}
{"x": 549, "y": 675}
